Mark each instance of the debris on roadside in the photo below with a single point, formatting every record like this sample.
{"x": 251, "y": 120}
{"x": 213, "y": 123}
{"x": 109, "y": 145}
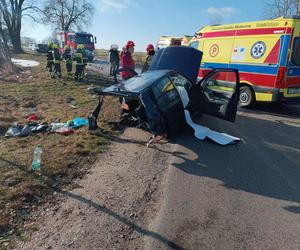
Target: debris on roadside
{"x": 56, "y": 125}
{"x": 67, "y": 128}
{"x": 65, "y": 131}
{"x": 70, "y": 99}
{"x": 40, "y": 128}
{"x": 18, "y": 130}
{"x": 36, "y": 162}
{"x": 73, "y": 106}
{"x": 31, "y": 118}
{"x": 79, "y": 122}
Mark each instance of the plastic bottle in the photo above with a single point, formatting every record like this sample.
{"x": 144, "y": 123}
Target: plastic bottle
{"x": 36, "y": 162}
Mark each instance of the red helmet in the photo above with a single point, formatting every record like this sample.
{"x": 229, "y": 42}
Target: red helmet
{"x": 149, "y": 47}
{"x": 130, "y": 44}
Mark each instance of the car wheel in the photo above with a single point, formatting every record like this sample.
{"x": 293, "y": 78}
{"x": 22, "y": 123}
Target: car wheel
{"x": 247, "y": 97}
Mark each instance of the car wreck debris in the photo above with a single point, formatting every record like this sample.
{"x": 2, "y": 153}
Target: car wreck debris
{"x": 168, "y": 96}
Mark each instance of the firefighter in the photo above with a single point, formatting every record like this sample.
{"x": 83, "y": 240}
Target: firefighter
{"x": 68, "y": 58}
{"x": 49, "y": 55}
{"x": 56, "y": 60}
{"x": 127, "y": 60}
{"x": 149, "y": 57}
{"x": 81, "y": 59}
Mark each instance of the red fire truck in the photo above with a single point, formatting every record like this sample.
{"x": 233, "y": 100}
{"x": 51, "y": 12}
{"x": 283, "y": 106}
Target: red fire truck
{"x": 74, "y": 38}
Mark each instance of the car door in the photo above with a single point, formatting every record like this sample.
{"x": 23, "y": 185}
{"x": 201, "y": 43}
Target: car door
{"x": 219, "y": 93}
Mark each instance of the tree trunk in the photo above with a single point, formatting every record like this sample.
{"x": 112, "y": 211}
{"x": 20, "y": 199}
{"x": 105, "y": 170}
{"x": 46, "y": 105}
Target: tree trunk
{"x": 5, "y": 60}
{"x": 16, "y": 42}
{"x": 13, "y": 20}
{"x": 15, "y": 35}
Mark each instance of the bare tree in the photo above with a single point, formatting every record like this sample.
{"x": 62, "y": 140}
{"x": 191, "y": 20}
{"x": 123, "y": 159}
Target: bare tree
{"x": 278, "y": 8}
{"x": 68, "y": 14}
{"x": 12, "y": 12}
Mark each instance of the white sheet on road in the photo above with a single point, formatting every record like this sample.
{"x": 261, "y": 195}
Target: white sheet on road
{"x": 202, "y": 132}
{"x": 25, "y": 63}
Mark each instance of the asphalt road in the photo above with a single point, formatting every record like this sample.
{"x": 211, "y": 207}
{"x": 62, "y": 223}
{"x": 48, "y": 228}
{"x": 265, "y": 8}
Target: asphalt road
{"x": 244, "y": 196}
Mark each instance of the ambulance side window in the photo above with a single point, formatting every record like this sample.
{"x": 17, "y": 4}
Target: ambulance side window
{"x": 195, "y": 45}
{"x": 296, "y": 52}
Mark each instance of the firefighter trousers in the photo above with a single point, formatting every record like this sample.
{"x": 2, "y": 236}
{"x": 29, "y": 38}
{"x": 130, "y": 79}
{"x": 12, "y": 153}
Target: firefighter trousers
{"x": 114, "y": 66}
{"x": 79, "y": 71}
{"x": 57, "y": 69}
{"x": 69, "y": 66}
{"x": 50, "y": 66}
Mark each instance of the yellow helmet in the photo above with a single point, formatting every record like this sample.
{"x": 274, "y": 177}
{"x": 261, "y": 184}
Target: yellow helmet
{"x": 55, "y": 46}
{"x": 67, "y": 46}
{"x": 80, "y": 46}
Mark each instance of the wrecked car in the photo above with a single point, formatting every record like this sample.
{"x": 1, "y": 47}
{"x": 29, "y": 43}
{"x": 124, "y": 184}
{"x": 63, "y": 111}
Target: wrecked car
{"x": 159, "y": 98}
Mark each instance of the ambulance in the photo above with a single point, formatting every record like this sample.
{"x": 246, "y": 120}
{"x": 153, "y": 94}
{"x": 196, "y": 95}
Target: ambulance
{"x": 266, "y": 53}
{"x": 166, "y": 41}
{"x": 186, "y": 40}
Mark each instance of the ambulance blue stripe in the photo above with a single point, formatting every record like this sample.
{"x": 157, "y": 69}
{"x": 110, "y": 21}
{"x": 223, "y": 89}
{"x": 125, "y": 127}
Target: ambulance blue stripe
{"x": 258, "y": 69}
{"x": 285, "y": 43}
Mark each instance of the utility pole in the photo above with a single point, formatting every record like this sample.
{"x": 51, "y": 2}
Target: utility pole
{"x": 298, "y": 7}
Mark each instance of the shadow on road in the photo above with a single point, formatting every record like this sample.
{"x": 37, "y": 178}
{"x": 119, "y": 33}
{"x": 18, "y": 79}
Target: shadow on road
{"x": 266, "y": 164}
{"x": 293, "y": 209}
{"x": 284, "y": 110}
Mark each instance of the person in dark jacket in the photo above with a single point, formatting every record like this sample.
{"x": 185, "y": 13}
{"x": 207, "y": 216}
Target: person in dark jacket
{"x": 149, "y": 57}
{"x": 56, "y": 60}
{"x": 114, "y": 59}
{"x": 67, "y": 56}
{"x": 127, "y": 60}
{"x": 49, "y": 55}
{"x": 81, "y": 60}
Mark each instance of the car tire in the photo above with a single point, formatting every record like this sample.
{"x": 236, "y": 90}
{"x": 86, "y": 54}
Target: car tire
{"x": 247, "y": 97}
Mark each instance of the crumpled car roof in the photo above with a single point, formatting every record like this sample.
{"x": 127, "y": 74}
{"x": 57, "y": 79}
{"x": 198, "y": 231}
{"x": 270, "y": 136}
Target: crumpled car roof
{"x": 138, "y": 83}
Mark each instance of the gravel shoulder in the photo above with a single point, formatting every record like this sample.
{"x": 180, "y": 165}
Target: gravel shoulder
{"x": 112, "y": 206}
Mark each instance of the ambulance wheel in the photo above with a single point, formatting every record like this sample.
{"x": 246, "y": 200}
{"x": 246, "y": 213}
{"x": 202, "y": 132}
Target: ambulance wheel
{"x": 247, "y": 97}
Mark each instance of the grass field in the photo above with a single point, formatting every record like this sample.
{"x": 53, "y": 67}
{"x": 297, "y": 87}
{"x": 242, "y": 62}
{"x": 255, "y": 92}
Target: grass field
{"x": 64, "y": 157}
{"x": 139, "y": 57}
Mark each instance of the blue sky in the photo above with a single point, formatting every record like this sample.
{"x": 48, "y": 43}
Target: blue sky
{"x": 144, "y": 21}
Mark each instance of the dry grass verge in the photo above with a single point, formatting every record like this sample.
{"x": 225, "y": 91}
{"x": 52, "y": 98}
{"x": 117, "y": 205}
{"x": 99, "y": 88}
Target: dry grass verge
{"x": 64, "y": 157}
